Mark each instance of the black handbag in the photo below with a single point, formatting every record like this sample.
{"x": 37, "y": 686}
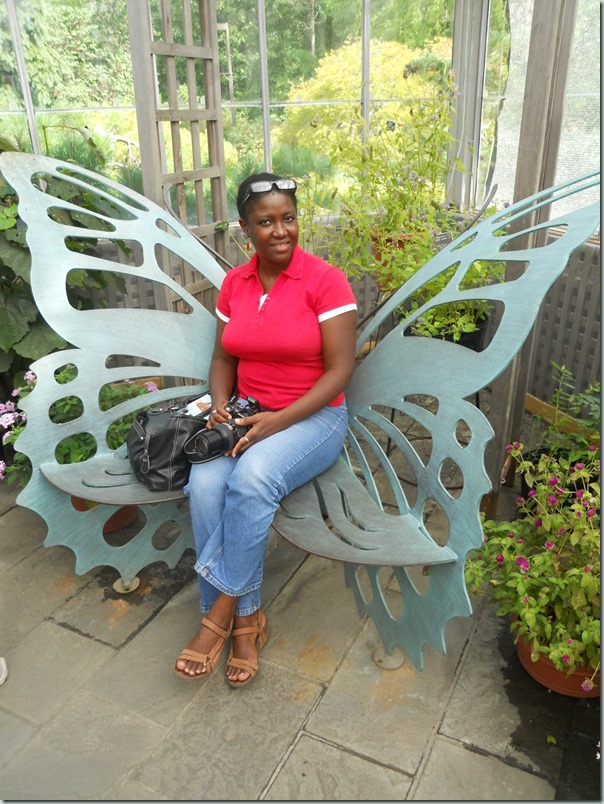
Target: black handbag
{"x": 156, "y": 442}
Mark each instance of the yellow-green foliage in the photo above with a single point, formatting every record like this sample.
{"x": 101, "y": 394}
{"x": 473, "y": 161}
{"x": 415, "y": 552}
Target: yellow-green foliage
{"x": 338, "y": 77}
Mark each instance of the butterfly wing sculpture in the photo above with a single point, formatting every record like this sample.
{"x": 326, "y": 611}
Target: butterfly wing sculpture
{"x": 67, "y": 208}
{"x": 415, "y": 451}
{"x": 416, "y": 441}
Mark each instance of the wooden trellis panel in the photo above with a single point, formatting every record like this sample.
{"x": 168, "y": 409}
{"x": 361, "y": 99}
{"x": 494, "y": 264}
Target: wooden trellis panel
{"x": 181, "y": 141}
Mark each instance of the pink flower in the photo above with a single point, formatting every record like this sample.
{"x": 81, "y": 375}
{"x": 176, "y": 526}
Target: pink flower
{"x": 592, "y": 448}
{"x": 509, "y": 448}
{"x": 553, "y": 481}
{"x": 522, "y": 562}
{"x": 525, "y": 599}
{"x": 537, "y": 523}
{"x": 579, "y": 466}
{"x": 500, "y": 559}
{"x": 566, "y": 658}
{"x": 549, "y": 545}
{"x": 561, "y": 530}
{"x": 532, "y": 493}
{"x": 587, "y": 685}
{"x": 579, "y": 493}
{"x": 519, "y": 500}
{"x": 570, "y": 641}
{"x": 520, "y": 541}
{"x": 587, "y": 569}
{"x": 552, "y": 500}
{"x": 591, "y": 512}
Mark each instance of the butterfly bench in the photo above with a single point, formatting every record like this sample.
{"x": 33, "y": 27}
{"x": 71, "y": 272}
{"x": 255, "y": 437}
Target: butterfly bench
{"x": 404, "y": 496}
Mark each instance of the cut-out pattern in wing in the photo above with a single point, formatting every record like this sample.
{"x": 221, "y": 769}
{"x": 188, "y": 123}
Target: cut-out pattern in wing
{"x": 417, "y": 443}
{"x": 78, "y": 220}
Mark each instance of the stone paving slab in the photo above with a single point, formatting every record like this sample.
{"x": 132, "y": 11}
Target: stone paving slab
{"x": 313, "y": 621}
{"x": 48, "y": 665}
{"x": 14, "y": 733}
{"x": 21, "y": 532}
{"x": 113, "y": 618}
{"x": 388, "y": 715}
{"x": 227, "y": 743}
{"x": 33, "y": 589}
{"x": 453, "y": 773}
{"x": 318, "y": 771}
{"x": 140, "y": 677}
{"x": 81, "y": 754}
{"x": 510, "y": 715}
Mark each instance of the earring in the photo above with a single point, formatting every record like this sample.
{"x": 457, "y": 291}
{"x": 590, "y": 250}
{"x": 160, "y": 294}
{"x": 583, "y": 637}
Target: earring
{"x": 248, "y": 245}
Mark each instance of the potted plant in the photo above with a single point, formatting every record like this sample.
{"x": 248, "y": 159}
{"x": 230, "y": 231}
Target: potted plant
{"x": 16, "y": 469}
{"x": 542, "y": 568}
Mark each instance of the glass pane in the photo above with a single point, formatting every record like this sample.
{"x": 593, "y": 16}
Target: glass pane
{"x": 507, "y": 58}
{"x": 580, "y": 137}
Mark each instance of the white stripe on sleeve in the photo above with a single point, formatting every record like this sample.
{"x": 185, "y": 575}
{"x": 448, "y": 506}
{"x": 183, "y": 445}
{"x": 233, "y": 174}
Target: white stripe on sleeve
{"x": 338, "y": 311}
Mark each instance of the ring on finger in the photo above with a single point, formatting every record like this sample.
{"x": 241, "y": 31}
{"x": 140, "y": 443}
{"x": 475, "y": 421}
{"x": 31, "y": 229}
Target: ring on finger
{"x": 246, "y": 439}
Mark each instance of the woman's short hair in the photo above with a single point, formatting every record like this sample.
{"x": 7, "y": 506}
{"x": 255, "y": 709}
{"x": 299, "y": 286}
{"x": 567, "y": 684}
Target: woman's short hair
{"x": 245, "y": 196}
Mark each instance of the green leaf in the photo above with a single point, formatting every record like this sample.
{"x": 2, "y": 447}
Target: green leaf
{"x": 15, "y": 318}
{"x": 551, "y": 739}
{"x": 530, "y": 619}
{"x": 16, "y": 258}
{"x": 39, "y": 341}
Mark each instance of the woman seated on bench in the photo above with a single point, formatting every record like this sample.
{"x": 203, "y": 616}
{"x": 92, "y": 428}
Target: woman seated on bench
{"x": 286, "y": 337}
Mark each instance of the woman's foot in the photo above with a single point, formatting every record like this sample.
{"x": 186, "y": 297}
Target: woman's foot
{"x": 249, "y": 635}
{"x": 202, "y": 653}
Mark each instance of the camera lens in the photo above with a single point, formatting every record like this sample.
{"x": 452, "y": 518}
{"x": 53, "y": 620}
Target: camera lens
{"x": 214, "y": 442}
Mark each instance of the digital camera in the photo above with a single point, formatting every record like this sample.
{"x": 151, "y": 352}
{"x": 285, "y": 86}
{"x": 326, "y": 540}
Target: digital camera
{"x": 208, "y": 444}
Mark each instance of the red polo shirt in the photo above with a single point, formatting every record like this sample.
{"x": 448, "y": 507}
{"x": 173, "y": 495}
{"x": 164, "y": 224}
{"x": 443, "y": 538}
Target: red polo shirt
{"x": 277, "y": 336}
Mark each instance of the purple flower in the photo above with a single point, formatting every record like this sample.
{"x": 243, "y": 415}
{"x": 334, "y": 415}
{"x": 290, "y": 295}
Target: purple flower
{"x": 537, "y": 523}
{"x": 587, "y": 569}
{"x": 509, "y": 447}
{"x": 561, "y": 530}
{"x": 552, "y": 500}
{"x": 500, "y": 559}
{"x": 16, "y": 391}
{"x": 525, "y": 599}
{"x": 592, "y": 448}
{"x": 587, "y": 685}
{"x": 566, "y": 658}
{"x": 151, "y": 387}
{"x": 570, "y": 641}
{"x": 579, "y": 466}
{"x": 553, "y": 481}
{"x": 520, "y": 541}
{"x": 579, "y": 493}
{"x": 2, "y": 470}
{"x": 591, "y": 512}
{"x": 549, "y": 545}
{"x": 30, "y": 377}
{"x": 532, "y": 493}
{"x": 519, "y": 500}
{"x": 522, "y": 562}
{"x": 510, "y": 535}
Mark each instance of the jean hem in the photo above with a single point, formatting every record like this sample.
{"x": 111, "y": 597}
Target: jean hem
{"x": 205, "y": 573}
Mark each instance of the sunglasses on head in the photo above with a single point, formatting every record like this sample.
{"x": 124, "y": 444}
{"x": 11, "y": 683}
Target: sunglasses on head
{"x": 266, "y": 186}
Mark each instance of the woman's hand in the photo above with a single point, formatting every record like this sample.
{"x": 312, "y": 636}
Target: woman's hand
{"x": 262, "y": 425}
{"x": 218, "y": 414}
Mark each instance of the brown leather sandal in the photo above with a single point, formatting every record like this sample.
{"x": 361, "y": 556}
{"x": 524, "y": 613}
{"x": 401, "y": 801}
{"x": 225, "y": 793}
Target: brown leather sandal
{"x": 262, "y": 632}
{"x": 209, "y": 660}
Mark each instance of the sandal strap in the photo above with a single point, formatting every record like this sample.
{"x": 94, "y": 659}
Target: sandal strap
{"x": 247, "y": 665}
{"x": 251, "y": 629}
{"x": 217, "y": 629}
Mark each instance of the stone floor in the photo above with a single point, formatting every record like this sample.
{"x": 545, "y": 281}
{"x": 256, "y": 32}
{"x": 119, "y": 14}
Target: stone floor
{"x": 92, "y": 711}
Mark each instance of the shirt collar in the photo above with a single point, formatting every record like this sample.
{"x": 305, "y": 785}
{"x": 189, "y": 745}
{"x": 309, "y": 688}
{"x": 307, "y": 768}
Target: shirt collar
{"x": 293, "y": 270}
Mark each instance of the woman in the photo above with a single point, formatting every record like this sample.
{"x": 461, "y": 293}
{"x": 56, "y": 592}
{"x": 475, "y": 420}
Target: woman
{"x": 285, "y": 336}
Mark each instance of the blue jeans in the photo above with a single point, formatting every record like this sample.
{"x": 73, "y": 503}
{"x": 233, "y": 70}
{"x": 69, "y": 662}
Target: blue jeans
{"x": 233, "y": 502}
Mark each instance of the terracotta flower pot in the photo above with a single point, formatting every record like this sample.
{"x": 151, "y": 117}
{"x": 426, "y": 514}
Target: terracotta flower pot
{"x": 546, "y": 673}
{"x": 123, "y": 517}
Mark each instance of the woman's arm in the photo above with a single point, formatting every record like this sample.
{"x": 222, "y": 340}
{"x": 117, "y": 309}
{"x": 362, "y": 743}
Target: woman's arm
{"x": 223, "y": 376}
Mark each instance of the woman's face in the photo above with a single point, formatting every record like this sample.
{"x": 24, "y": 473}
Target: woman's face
{"x": 272, "y": 227}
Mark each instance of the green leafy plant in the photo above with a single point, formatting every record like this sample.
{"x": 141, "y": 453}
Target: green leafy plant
{"x": 74, "y": 448}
